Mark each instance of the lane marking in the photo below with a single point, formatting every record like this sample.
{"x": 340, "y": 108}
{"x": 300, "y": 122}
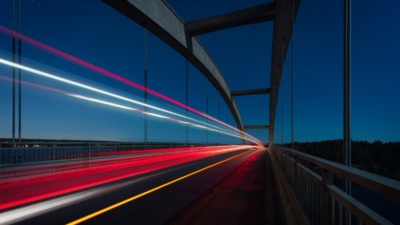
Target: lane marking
{"x": 148, "y": 192}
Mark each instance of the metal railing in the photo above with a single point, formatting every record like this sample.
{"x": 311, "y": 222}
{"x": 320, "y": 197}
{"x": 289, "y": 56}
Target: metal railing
{"x": 60, "y": 151}
{"x": 316, "y": 195}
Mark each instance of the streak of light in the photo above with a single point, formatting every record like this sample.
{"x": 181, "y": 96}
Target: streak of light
{"x": 27, "y": 212}
{"x": 14, "y": 197}
{"x": 125, "y": 107}
{"x": 36, "y": 85}
{"x": 130, "y": 158}
{"x": 65, "y": 55}
{"x": 90, "y": 88}
{"x": 29, "y": 176}
{"x": 149, "y": 191}
{"x": 153, "y": 114}
{"x": 20, "y": 173}
{"x": 78, "y": 169}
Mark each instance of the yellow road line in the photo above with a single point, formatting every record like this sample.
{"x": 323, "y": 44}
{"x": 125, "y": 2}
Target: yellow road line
{"x": 147, "y": 192}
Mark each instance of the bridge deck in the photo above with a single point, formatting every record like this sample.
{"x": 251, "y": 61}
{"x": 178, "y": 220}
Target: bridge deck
{"x": 247, "y": 196}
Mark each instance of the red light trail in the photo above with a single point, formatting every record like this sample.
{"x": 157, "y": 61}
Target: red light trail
{"x": 24, "y": 191}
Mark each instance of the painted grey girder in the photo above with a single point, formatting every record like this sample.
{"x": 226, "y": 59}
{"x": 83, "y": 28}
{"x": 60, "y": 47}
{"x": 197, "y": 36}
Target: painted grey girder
{"x": 281, "y": 37}
{"x": 260, "y": 91}
{"x": 160, "y": 19}
{"x": 255, "y": 14}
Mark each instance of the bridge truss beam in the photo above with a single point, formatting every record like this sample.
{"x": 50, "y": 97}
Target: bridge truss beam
{"x": 260, "y": 91}
{"x": 280, "y": 43}
{"x": 255, "y": 14}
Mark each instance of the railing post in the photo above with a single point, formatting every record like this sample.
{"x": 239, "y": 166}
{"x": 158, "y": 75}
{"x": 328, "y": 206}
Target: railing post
{"x": 326, "y": 205}
{"x": 280, "y": 156}
{"x": 286, "y": 166}
{"x": 293, "y": 175}
{"x": 296, "y": 178}
{"x": 115, "y": 149}
{"x": 90, "y": 150}
{"x": 54, "y": 152}
{"x": 13, "y": 155}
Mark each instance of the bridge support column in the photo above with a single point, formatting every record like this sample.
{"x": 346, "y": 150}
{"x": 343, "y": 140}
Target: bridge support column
{"x": 207, "y": 109}
{"x": 145, "y": 84}
{"x": 347, "y": 97}
{"x": 54, "y": 151}
{"x": 187, "y": 102}
{"x": 297, "y": 178}
{"x": 325, "y": 198}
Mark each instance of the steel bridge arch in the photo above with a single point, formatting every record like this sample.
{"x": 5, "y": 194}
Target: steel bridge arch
{"x": 161, "y": 20}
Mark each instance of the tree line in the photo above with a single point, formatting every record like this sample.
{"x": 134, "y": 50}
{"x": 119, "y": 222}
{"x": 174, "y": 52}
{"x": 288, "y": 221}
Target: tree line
{"x": 375, "y": 157}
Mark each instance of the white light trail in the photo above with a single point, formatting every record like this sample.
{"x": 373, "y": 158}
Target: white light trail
{"x": 29, "y": 211}
{"x": 38, "y": 72}
{"x": 153, "y": 114}
{"x": 41, "y": 73}
{"x": 100, "y": 101}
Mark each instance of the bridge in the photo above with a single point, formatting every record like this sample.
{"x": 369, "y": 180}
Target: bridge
{"x": 238, "y": 181}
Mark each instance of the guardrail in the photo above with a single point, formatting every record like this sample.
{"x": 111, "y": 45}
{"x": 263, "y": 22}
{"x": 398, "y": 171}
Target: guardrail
{"x": 316, "y": 195}
{"x": 51, "y": 151}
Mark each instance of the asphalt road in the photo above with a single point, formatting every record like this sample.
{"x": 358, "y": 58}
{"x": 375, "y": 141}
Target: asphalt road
{"x": 158, "y": 207}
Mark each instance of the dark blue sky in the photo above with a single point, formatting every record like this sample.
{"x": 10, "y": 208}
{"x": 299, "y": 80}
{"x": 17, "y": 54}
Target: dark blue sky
{"x": 94, "y": 32}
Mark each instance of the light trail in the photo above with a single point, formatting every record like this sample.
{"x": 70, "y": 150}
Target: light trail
{"x": 71, "y": 170}
{"x": 85, "y": 178}
{"x": 91, "y": 88}
{"x": 65, "y": 55}
{"x": 149, "y": 191}
{"x": 153, "y": 114}
{"x": 129, "y": 108}
{"x": 36, "y": 209}
{"x": 20, "y": 214}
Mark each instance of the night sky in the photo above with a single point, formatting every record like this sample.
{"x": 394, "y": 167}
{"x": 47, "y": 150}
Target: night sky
{"x": 96, "y": 33}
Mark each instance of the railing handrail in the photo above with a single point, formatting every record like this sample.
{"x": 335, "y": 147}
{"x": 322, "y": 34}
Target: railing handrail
{"x": 94, "y": 160}
{"x": 363, "y": 213}
{"x": 318, "y": 204}
{"x": 92, "y": 146}
{"x": 13, "y": 155}
{"x": 108, "y": 142}
{"x": 79, "y": 146}
{"x": 379, "y": 184}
